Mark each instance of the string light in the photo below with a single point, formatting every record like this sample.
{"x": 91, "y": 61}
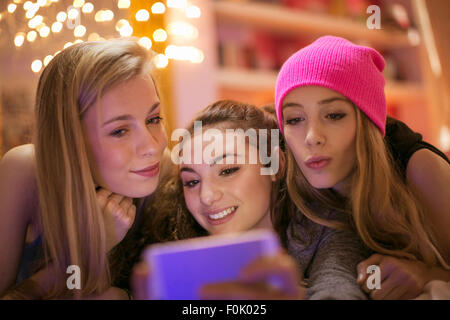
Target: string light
{"x": 160, "y": 35}
{"x": 193, "y": 12}
{"x": 79, "y": 31}
{"x": 183, "y": 29}
{"x": 160, "y": 61}
{"x": 88, "y": 8}
{"x": 31, "y": 36}
{"x": 78, "y": 3}
{"x": 36, "y": 65}
{"x": 158, "y": 8}
{"x": 72, "y": 14}
{"x": 12, "y": 7}
{"x": 126, "y": 31}
{"x": 44, "y": 32}
{"x": 19, "y": 39}
{"x": 123, "y": 4}
{"x": 61, "y": 16}
{"x": 145, "y": 42}
{"x": 123, "y": 27}
{"x": 47, "y": 60}
{"x": 142, "y": 15}
{"x": 177, "y": 4}
{"x": 57, "y": 27}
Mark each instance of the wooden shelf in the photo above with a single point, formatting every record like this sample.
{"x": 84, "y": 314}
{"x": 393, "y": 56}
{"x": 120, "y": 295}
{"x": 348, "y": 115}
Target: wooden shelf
{"x": 278, "y": 19}
{"x": 251, "y": 80}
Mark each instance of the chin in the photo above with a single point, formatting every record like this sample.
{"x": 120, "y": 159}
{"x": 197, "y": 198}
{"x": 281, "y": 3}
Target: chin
{"x": 321, "y": 184}
{"x": 137, "y": 192}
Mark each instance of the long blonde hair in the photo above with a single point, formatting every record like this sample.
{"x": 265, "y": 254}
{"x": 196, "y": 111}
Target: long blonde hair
{"x": 72, "y": 223}
{"x": 382, "y": 207}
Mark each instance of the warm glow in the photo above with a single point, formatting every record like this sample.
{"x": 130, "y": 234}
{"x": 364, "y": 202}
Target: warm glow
{"x": 79, "y": 31}
{"x": 44, "y": 32}
{"x": 121, "y": 23}
{"x": 182, "y": 29}
{"x": 88, "y": 8}
{"x": 160, "y": 61}
{"x": 193, "y": 12}
{"x": 41, "y": 3}
{"x": 145, "y": 42}
{"x": 12, "y": 7}
{"x": 36, "y": 66}
{"x": 123, "y": 4}
{"x": 73, "y": 14}
{"x": 158, "y": 8}
{"x": 178, "y": 4}
{"x": 36, "y": 21}
{"x": 61, "y": 16}
{"x": 68, "y": 44}
{"x": 126, "y": 31}
{"x": 142, "y": 15}
{"x": 78, "y": 41}
{"x": 191, "y": 54}
{"x": 104, "y": 15}
{"x": 31, "y": 36}
{"x": 94, "y": 37}
{"x": 78, "y": 3}
{"x": 57, "y": 27}
{"x": 19, "y": 39}
{"x": 160, "y": 35}
{"x": 27, "y": 5}
{"x": 47, "y": 60}
{"x": 30, "y": 13}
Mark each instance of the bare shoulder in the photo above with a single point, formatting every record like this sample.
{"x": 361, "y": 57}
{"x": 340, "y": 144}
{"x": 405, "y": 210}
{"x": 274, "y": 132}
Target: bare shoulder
{"x": 427, "y": 167}
{"x": 18, "y": 175}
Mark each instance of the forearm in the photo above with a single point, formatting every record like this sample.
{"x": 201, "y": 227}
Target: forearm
{"x": 333, "y": 271}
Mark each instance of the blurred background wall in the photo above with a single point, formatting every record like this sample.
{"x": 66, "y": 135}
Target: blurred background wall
{"x": 230, "y": 49}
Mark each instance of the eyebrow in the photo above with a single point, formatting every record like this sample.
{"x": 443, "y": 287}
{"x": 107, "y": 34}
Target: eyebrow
{"x": 187, "y": 169}
{"x": 129, "y": 117}
{"x": 321, "y": 102}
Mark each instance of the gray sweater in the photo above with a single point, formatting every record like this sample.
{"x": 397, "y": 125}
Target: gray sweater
{"x": 327, "y": 258}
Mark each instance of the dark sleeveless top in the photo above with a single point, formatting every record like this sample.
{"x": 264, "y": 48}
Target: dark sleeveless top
{"x": 32, "y": 255}
{"x": 403, "y": 142}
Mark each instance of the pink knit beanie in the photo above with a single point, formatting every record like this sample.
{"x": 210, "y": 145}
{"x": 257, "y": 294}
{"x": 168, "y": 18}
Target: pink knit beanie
{"x": 336, "y": 63}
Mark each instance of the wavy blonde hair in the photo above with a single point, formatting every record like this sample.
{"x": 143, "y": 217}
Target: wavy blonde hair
{"x": 382, "y": 208}
{"x": 71, "y": 220}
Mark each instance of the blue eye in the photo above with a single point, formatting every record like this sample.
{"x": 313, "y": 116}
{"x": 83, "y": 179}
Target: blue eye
{"x": 118, "y": 133}
{"x": 229, "y": 171}
{"x": 336, "y": 116}
{"x": 154, "y": 120}
{"x": 191, "y": 183}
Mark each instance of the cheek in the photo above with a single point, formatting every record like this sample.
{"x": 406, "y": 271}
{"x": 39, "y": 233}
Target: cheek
{"x": 191, "y": 200}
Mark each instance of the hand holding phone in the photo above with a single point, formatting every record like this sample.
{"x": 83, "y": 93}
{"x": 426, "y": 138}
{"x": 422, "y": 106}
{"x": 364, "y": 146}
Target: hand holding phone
{"x": 180, "y": 269}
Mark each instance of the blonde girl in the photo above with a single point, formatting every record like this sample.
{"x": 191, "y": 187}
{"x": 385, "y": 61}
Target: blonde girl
{"x": 97, "y": 125}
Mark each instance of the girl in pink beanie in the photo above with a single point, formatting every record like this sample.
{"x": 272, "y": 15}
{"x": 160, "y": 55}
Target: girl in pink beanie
{"x": 331, "y": 109}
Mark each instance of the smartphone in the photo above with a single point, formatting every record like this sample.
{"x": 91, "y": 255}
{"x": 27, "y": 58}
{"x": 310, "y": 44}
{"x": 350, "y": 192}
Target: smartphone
{"x": 180, "y": 268}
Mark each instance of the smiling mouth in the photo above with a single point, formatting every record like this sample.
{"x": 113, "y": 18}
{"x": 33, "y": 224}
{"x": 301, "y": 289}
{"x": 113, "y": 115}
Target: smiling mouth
{"x": 222, "y": 214}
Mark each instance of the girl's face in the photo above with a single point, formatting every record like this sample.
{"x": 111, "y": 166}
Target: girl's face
{"x": 126, "y": 138}
{"x": 320, "y": 130}
{"x": 226, "y": 198}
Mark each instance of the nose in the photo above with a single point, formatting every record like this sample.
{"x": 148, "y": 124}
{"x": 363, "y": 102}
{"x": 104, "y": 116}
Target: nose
{"x": 315, "y": 135}
{"x": 209, "y": 192}
{"x": 151, "y": 142}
